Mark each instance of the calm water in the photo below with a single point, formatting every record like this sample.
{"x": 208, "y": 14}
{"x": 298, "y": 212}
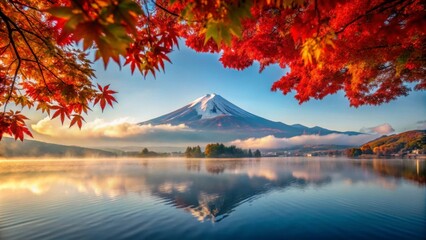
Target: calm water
{"x": 288, "y": 198}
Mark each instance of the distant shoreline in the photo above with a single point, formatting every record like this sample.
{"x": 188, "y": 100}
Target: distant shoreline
{"x": 64, "y": 158}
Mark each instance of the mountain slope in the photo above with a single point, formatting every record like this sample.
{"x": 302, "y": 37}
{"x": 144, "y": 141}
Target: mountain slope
{"x": 405, "y": 141}
{"x": 214, "y": 113}
{"x": 31, "y": 148}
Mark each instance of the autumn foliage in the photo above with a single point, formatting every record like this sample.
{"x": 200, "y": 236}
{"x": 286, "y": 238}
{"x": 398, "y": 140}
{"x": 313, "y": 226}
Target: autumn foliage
{"x": 373, "y": 50}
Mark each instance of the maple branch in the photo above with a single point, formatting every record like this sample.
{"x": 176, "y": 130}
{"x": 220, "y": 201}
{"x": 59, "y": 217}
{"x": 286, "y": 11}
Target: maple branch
{"x": 35, "y": 35}
{"x": 9, "y": 21}
{"x": 15, "y": 49}
{"x": 378, "y": 6}
{"x": 166, "y": 10}
{"x": 25, "y": 5}
{"x": 172, "y": 13}
{"x": 402, "y": 8}
{"x": 10, "y": 65}
{"x": 379, "y": 47}
{"x": 317, "y": 12}
{"x": 45, "y": 67}
{"x": 30, "y": 23}
{"x": 4, "y": 48}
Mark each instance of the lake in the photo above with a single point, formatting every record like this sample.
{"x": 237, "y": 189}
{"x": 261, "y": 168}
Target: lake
{"x": 267, "y": 198}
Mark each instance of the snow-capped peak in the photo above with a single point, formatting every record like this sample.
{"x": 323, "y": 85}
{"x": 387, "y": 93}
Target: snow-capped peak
{"x": 203, "y": 100}
{"x": 213, "y": 105}
{"x": 211, "y": 112}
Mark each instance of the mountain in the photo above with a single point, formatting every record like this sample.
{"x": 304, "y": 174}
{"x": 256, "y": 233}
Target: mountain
{"x": 31, "y": 148}
{"x": 215, "y": 114}
{"x": 403, "y": 142}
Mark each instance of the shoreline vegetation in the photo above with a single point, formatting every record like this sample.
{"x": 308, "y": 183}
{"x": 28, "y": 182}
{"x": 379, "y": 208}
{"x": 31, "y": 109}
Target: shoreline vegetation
{"x": 407, "y": 144}
{"x": 219, "y": 150}
{"x": 145, "y": 153}
{"x": 213, "y": 150}
{"x": 410, "y": 144}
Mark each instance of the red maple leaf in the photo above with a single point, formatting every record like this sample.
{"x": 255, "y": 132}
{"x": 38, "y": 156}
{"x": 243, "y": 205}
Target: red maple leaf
{"x": 105, "y": 96}
{"x": 61, "y": 111}
{"x": 77, "y": 119}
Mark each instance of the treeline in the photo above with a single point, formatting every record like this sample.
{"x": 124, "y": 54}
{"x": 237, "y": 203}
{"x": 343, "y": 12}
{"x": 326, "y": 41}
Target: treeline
{"x": 219, "y": 150}
{"x": 194, "y": 152}
{"x": 146, "y": 153}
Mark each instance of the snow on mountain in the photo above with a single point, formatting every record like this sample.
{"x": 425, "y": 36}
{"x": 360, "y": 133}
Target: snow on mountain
{"x": 214, "y": 113}
{"x": 213, "y": 105}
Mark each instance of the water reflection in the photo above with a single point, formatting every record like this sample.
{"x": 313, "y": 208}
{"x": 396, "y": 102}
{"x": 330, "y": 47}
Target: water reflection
{"x": 207, "y": 189}
{"x": 413, "y": 170}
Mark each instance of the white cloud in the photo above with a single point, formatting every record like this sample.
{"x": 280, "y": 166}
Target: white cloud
{"x": 384, "y": 128}
{"x": 169, "y": 187}
{"x": 274, "y": 142}
{"x": 119, "y": 128}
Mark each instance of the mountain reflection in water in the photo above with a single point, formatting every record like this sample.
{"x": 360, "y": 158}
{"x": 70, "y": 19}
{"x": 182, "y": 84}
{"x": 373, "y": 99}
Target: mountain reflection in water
{"x": 206, "y": 188}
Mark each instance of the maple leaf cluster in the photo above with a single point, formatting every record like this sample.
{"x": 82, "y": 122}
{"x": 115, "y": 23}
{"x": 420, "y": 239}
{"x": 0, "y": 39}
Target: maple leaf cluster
{"x": 373, "y": 50}
{"x": 40, "y": 68}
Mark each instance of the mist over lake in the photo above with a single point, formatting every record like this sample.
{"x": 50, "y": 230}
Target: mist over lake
{"x": 268, "y": 198}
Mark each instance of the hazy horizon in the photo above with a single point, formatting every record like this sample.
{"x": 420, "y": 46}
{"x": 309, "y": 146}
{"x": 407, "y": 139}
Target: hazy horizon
{"x": 141, "y": 100}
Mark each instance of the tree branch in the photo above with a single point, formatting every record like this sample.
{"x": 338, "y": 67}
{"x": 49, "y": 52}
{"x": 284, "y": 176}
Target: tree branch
{"x": 377, "y": 7}
{"x": 29, "y": 22}
{"x": 9, "y": 21}
{"x": 15, "y": 50}
{"x": 317, "y": 12}
{"x": 166, "y": 10}
{"x": 25, "y": 5}
{"x": 173, "y": 14}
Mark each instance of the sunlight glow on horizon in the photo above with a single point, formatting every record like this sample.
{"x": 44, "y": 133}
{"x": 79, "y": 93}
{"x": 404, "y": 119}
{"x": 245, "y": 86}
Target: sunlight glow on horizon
{"x": 195, "y": 74}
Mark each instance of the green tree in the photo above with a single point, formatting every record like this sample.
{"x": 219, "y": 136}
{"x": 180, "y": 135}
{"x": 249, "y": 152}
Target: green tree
{"x": 145, "y": 151}
{"x": 188, "y": 152}
{"x": 213, "y": 150}
{"x": 353, "y": 152}
{"x": 193, "y": 152}
{"x": 250, "y": 154}
{"x": 197, "y": 152}
{"x": 257, "y": 153}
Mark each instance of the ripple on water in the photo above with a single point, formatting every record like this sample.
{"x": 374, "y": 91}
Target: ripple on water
{"x": 267, "y": 199}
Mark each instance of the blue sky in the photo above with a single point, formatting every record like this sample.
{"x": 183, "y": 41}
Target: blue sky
{"x": 192, "y": 75}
